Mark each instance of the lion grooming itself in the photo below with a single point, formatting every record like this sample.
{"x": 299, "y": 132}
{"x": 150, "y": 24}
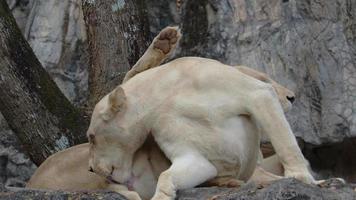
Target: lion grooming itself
{"x": 201, "y": 113}
{"x": 149, "y": 161}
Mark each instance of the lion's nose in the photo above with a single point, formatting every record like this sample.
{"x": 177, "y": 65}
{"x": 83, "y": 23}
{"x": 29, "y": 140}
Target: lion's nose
{"x": 91, "y": 169}
{"x": 291, "y": 98}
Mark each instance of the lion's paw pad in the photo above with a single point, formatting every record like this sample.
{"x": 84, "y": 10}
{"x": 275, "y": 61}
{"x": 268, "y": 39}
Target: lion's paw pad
{"x": 166, "y": 39}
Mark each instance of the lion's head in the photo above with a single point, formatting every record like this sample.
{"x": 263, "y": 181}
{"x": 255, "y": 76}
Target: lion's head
{"x": 285, "y": 96}
{"x": 110, "y": 153}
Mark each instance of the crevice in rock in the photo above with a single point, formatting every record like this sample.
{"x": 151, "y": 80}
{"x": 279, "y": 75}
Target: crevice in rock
{"x": 333, "y": 160}
{"x": 3, "y": 171}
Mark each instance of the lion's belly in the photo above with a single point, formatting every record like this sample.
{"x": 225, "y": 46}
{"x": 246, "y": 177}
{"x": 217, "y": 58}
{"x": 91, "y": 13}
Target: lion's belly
{"x": 231, "y": 146}
{"x": 239, "y": 147}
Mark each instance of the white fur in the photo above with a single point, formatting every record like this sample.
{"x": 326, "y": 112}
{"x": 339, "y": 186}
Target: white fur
{"x": 236, "y": 134}
{"x": 187, "y": 105}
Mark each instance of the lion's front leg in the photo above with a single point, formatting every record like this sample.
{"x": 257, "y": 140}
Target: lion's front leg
{"x": 262, "y": 177}
{"x": 186, "y": 171}
{"x": 268, "y": 114}
{"x": 267, "y": 170}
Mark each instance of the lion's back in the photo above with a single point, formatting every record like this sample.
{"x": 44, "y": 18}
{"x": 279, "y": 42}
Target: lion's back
{"x": 67, "y": 170}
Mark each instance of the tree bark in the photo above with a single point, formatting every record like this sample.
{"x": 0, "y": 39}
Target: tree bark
{"x": 118, "y": 34}
{"x": 40, "y": 115}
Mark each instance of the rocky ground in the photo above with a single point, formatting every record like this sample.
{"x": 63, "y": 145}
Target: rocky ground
{"x": 286, "y": 189}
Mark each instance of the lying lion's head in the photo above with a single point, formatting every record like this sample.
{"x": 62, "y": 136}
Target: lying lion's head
{"x": 285, "y": 96}
{"x": 110, "y": 152}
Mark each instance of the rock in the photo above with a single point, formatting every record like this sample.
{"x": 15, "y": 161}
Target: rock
{"x": 282, "y": 189}
{"x": 58, "y": 195}
{"x": 21, "y": 10}
{"x": 159, "y": 19}
{"x": 2, "y": 188}
{"x": 57, "y": 36}
{"x": 15, "y": 167}
{"x": 333, "y": 160}
{"x": 306, "y": 45}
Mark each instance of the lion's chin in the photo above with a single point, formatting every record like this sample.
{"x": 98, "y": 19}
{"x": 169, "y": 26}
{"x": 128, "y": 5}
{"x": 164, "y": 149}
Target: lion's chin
{"x": 129, "y": 183}
{"x": 111, "y": 180}
{"x": 120, "y": 177}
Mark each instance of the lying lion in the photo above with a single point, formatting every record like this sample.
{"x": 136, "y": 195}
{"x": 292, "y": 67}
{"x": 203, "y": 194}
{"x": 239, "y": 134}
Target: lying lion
{"x": 72, "y": 165}
{"x": 149, "y": 161}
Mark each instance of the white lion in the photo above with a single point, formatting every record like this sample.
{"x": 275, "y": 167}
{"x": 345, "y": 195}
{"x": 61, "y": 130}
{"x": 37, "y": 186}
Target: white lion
{"x": 206, "y": 117}
{"x": 149, "y": 161}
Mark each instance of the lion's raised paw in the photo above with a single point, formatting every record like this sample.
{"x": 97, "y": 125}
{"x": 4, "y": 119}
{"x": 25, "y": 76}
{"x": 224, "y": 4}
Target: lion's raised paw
{"x": 167, "y": 39}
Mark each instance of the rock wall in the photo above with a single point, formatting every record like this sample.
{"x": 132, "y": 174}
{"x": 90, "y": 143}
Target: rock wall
{"x": 307, "y": 45}
{"x": 57, "y": 36}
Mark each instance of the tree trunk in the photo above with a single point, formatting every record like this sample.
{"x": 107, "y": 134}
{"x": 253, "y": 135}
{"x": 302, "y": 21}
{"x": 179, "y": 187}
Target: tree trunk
{"x": 118, "y": 34}
{"x": 40, "y": 115}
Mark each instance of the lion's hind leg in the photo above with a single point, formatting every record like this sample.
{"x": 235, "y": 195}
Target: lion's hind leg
{"x": 161, "y": 48}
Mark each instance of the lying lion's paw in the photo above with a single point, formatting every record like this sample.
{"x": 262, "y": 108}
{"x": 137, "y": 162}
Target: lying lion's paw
{"x": 167, "y": 39}
{"x": 232, "y": 183}
{"x": 224, "y": 182}
{"x": 302, "y": 176}
{"x": 331, "y": 183}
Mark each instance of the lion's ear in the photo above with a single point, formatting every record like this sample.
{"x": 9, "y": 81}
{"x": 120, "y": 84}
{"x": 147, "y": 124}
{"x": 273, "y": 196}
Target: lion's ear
{"x": 116, "y": 103}
{"x": 117, "y": 99}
